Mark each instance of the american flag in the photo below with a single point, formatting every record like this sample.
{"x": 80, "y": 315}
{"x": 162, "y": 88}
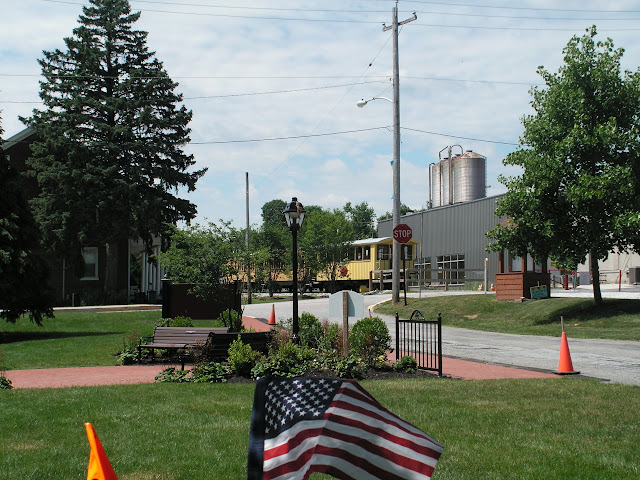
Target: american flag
{"x": 306, "y": 425}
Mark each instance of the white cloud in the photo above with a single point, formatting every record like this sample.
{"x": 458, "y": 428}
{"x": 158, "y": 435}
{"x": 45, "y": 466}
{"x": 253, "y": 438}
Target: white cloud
{"x": 449, "y": 65}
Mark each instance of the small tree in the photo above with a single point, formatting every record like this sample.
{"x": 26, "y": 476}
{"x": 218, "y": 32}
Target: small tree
{"x": 205, "y": 256}
{"x": 325, "y": 244}
{"x": 23, "y": 274}
{"x": 579, "y": 193}
{"x": 363, "y": 219}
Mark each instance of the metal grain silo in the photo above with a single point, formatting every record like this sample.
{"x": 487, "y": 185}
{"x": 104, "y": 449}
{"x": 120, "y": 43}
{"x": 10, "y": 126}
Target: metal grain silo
{"x": 469, "y": 177}
{"x": 457, "y": 178}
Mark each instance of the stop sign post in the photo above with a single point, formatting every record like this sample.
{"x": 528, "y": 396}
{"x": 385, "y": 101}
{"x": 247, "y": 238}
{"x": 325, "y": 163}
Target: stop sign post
{"x": 402, "y": 234}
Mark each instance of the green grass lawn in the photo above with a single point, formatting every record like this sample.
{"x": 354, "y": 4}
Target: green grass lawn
{"x": 74, "y": 338}
{"x": 501, "y": 429}
{"x": 616, "y": 319}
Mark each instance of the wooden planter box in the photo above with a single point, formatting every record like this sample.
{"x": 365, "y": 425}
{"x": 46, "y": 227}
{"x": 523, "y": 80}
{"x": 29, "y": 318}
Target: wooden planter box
{"x": 516, "y": 285}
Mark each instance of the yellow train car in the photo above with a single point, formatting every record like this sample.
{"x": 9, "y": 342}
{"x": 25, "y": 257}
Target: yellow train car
{"x": 370, "y": 265}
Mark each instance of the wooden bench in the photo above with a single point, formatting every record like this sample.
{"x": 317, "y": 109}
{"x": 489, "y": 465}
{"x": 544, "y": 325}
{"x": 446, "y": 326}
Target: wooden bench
{"x": 217, "y": 349}
{"x": 180, "y": 339}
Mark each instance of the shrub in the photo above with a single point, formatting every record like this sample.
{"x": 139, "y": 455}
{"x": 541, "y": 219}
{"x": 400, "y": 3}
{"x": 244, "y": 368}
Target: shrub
{"x": 349, "y": 367}
{"x": 406, "y": 364}
{"x": 176, "y": 322}
{"x": 310, "y": 330}
{"x": 289, "y": 360}
{"x": 331, "y": 338}
{"x": 370, "y": 340}
{"x": 232, "y": 320}
{"x": 211, "y": 372}
{"x": 170, "y": 374}
{"x": 5, "y": 383}
{"x": 128, "y": 354}
{"x": 243, "y": 358}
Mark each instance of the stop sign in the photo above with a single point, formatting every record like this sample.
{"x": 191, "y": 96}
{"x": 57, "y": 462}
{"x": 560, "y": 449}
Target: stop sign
{"x": 402, "y": 233}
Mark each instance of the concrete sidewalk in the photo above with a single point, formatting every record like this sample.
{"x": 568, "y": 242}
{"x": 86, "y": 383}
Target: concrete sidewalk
{"x": 135, "y": 374}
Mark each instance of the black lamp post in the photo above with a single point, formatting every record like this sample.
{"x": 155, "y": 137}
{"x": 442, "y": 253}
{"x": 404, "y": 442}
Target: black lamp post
{"x": 294, "y": 214}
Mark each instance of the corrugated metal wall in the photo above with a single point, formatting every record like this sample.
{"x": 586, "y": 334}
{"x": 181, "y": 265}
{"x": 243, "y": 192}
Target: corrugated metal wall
{"x": 454, "y": 229}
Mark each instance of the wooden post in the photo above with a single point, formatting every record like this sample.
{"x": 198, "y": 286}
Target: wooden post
{"x": 345, "y": 323}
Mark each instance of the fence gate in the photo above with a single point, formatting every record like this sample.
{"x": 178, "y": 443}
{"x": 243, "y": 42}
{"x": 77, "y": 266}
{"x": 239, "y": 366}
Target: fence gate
{"x": 421, "y": 339}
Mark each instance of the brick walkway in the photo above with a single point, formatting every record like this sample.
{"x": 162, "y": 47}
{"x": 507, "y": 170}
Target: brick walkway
{"x": 134, "y": 374}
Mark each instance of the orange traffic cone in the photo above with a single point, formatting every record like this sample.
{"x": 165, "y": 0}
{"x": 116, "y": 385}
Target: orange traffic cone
{"x": 99, "y": 466}
{"x": 492, "y": 289}
{"x": 565, "y": 366}
{"x": 480, "y": 287}
{"x": 272, "y": 316}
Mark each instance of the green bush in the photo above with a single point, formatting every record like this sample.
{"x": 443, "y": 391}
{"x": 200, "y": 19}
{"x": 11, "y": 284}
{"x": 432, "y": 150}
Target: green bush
{"x": 5, "y": 383}
{"x": 232, "y": 320}
{"x": 349, "y": 367}
{"x": 212, "y": 372}
{"x": 243, "y": 358}
{"x": 170, "y": 374}
{"x": 370, "y": 340}
{"x": 310, "y": 330}
{"x": 129, "y": 354}
{"x": 176, "y": 322}
{"x": 289, "y": 360}
{"x": 331, "y": 338}
{"x": 406, "y": 364}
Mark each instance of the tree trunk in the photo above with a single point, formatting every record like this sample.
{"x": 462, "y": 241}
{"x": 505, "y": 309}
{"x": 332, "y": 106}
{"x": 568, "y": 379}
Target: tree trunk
{"x": 595, "y": 274}
{"x": 111, "y": 268}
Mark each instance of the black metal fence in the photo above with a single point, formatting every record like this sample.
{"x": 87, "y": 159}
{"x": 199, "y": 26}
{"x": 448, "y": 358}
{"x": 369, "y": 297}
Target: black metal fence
{"x": 421, "y": 339}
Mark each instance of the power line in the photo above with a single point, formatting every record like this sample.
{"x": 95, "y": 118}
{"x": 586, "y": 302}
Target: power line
{"x": 293, "y": 137}
{"x": 370, "y": 22}
{"x": 459, "y": 137}
{"x": 449, "y": 4}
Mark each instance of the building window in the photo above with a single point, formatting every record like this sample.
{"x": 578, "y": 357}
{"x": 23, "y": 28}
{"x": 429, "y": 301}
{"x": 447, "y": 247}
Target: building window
{"x": 406, "y": 252}
{"x": 383, "y": 252}
{"x": 453, "y": 267}
{"x": 90, "y": 257}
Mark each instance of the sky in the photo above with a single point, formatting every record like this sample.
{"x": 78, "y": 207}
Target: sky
{"x": 273, "y": 87}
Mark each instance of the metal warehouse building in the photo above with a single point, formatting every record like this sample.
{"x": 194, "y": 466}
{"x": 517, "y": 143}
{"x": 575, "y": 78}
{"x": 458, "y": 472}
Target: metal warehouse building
{"x": 453, "y": 241}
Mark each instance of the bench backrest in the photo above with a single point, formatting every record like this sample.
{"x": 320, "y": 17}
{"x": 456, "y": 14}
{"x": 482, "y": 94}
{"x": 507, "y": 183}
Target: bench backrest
{"x": 219, "y": 343}
{"x": 185, "y": 335}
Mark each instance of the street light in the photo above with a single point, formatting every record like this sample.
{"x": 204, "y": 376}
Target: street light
{"x": 294, "y": 215}
{"x": 395, "y": 260}
{"x": 363, "y": 102}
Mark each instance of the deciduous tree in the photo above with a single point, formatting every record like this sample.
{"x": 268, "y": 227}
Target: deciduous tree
{"x": 579, "y": 192}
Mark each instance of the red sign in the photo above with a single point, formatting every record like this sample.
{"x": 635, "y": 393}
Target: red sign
{"x": 402, "y": 233}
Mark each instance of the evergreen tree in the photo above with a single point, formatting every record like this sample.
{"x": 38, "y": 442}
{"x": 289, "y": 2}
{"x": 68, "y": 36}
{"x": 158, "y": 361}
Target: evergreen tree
{"x": 110, "y": 158}
{"x": 23, "y": 275}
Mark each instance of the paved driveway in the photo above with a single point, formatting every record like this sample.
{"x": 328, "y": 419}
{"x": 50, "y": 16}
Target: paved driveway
{"x": 613, "y": 360}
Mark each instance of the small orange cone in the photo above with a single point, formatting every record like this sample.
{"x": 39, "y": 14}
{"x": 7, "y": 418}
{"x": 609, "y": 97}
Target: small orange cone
{"x": 272, "y": 316}
{"x": 565, "y": 366}
{"x": 492, "y": 289}
{"x": 99, "y": 466}
{"x": 480, "y": 287}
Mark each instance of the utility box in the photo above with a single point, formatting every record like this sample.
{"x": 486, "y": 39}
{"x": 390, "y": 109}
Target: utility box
{"x": 634, "y": 275}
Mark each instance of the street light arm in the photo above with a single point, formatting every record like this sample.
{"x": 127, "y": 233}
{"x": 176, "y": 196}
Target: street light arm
{"x": 363, "y": 102}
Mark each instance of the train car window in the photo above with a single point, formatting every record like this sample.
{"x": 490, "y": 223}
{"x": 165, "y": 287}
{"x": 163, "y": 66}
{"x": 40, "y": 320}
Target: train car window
{"x": 366, "y": 253}
{"x": 383, "y": 252}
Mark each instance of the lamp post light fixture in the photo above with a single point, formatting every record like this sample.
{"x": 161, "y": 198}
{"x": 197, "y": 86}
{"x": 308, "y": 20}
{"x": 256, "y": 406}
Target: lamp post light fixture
{"x": 294, "y": 215}
{"x": 395, "y": 251}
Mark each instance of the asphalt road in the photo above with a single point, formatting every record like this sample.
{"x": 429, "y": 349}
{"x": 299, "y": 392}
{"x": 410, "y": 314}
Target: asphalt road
{"x": 611, "y": 360}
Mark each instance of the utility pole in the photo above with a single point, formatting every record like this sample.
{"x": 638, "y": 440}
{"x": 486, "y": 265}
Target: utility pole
{"x": 246, "y": 244}
{"x": 395, "y": 275}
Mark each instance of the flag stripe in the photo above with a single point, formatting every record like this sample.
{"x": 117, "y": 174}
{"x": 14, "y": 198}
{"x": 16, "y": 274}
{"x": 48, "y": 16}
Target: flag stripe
{"x": 290, "y": 440}
{"x": 354, "y": 459}
{"x": 368, "y": 400}
{"x": 300, "y": 426}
